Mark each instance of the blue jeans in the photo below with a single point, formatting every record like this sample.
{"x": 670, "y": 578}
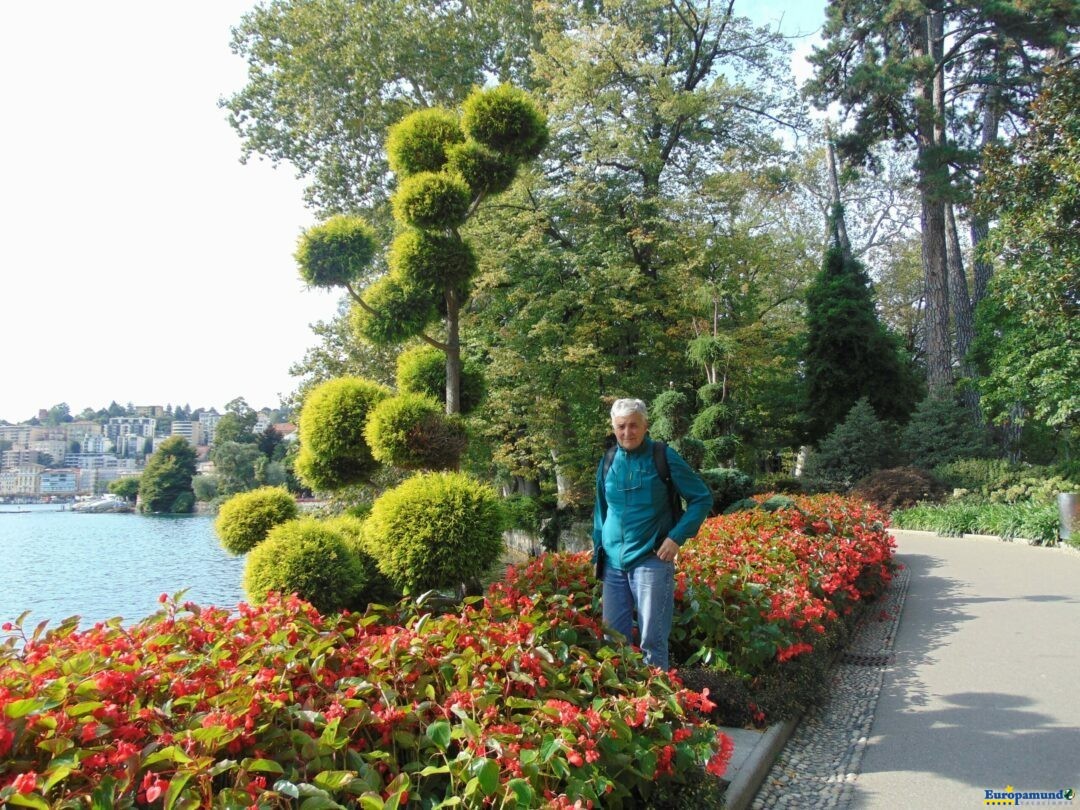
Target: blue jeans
{"x": 649, "y": 587}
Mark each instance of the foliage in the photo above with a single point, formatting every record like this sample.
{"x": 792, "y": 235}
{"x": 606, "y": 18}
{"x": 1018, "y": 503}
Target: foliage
{"x": 165, "y": 484}
{"x": 942, "y": 430}
{"x": 205, "y": 487}
{"x": 485, "y": 170}
{"x": 419, "y": 142}
{"x": 669, "y": 416}
{"x": 333, "y": 451}
{"x": 126, "y": 487}
{"x": 377, "y": 589}
{"x": 1029, "y": 328}
{"x": 435, "y": 530}
{"x": 859, "y": 445}
{"x": 899, "y": 488}
{"x": 505, "y": 120}
{"x": 422, "y": 370}
{"x": 1028, "y": 521}
{"x": 306, "y": 558}
{"x": 692, "y": 451}
{"x": 849, "y": 355}
{"x": 1000, "y": 481}
{"x": 434, "y": 200}
{"x": 337, "y": 252}
{"x": 413, "y": 432}
{"x": 235, "y": 465}
{"x": 728, "y": 486}
{"x": 429, "y": 260}
{"x": 513, "y": 700}
{"x": 245, "y": 519}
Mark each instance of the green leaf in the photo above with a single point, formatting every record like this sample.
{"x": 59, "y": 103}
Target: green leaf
{"x": 56, "y": 774}
{"x": 21, "y": 708}
{"x": 371, "y": 802}
{"x": 171, "y": 753}
{"x": 487, "y": 773}
{"x": 28, "y": 800}
{"x": 320, "y": 803}
{"x": 522, "y": 791}
{"x": 548, "y": 748}
{"x": 440, "y": 733}
{"x": 334, "y": 780}
{"x": 431, "y": 770}
{"x": 287, "y": 788}
{"x": 262, "y": 766}
{"x": 176, "y": 787}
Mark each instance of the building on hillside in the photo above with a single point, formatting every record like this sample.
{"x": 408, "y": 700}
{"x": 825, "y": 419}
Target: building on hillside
{"x": 156, "y": 411}
{"x": 118, "y": 426}
{"x": 18, "y": 435}
{"x": 134, "y": 445}
{"x": 287, "y": 431}
{"x": 77, "y": 431}
{"x": 10, "y": 459}
{"x": 262, "y": 422}
{"x": 96, "y": 481}
{"x": 58, "y": 482}
{"x": 194, "y": 432}
{"x": 209, "y": 420}
{"x": 55, "y": 449}
{"x": 93, "y": 461}
{"x": 90, "y": 443}
{"x": 24, "y": 480}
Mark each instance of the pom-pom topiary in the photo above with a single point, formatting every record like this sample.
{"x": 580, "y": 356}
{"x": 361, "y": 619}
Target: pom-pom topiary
{"x": 401, "y": 311}
{"x": 669, "y": 416}
{"x": 505, "y": 119}
{"x": 306, "y": 558}
{"x": 711, "y": 394}
{"x": 413, "y": 432}
{"x": 435, "y": 530}
{"x": 377, "y": 588}
{"x": 720, "y": 451}
{"x": 419, "y": 141}
{"x": 245, "y": 519}
{"x": 422, "y": 370}
{"x": 432, "y": 200}
{"x": 430, "y": 260}
{"x": 333, "y": 451}
{"x": 485, "y": 170}
{"x": 711, "y": 423}
{"x": 337, "y": 252}
{"x": 692, "y": 451}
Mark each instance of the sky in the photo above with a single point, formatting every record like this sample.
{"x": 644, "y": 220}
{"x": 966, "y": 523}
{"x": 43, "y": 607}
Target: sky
{"x": 141, "y": 261}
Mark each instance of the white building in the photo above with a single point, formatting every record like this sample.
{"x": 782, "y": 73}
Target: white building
{"x": 24, "y": 480}
{"x": 10, "y": 459}
{"x": 120, "y": 426}
{"x": 58, "y": 482}
{"x": 18, "y": 435}
{"x": 209, "y": 420}
{"x": 194, "y": 432}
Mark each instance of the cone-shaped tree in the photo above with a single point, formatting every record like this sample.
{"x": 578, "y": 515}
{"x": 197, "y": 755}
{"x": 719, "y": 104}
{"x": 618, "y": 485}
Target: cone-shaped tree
{"x": 849, "y": 354}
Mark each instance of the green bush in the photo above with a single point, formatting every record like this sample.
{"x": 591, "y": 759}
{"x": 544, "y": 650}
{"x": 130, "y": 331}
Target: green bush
{"x": 692, "y": 451}
{"x": 419, "y": 142}
{"x": 337, "y": 252}
{"x": 942, "y": 430}
{"x": 728, "y": 486}
{"x": 306, "y": 558}
{"x": 777, "y": 502}
{"x": 740, "y": 506}
{"x": 1025, "y": 520}
{"x": 523, "y": 512}
{"x": 859, "y": 445}
{"x": 1001, "y": 482}
{"x": 712, "y": 423}
{"x": 422, "y": 370}
{"x": 413, "y": 432}
{"x": 669, "y": 416}
{"x": 505, "y": 119}
{"x": 245, "y": 519}
{"x": 402, "y": 312}
{"x": 720, "y": 451}
{"x": 333, "y": 451}
{"x": 435, "y": 530}
{"x": 778, "y": 482}
{"x": 429, "y": 261}
{"x": 711, "y": 394}
{"x": 432, "y": 200}
{"x": 377, "y": 588}
{"x": 975, "y": 474}
{"x": 485, "y": 170}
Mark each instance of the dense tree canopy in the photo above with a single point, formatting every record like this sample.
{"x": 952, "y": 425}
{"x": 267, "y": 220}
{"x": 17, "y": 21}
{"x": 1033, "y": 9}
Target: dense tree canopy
{"x": 165, "y": 485}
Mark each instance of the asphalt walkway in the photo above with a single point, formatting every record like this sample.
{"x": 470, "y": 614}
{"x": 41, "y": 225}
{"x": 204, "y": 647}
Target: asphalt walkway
{"x": 984, "y": 693}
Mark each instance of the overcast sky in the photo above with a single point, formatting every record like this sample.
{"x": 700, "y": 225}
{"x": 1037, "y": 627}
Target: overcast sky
{"x": 140, "y": 261}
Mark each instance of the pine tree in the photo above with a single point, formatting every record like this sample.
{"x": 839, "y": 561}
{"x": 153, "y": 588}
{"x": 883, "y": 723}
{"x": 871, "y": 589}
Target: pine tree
{"x": 849, "y": 354}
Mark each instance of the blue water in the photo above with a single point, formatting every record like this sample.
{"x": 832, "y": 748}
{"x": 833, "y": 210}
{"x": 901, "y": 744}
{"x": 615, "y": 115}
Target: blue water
{"x": 57, "y": 564}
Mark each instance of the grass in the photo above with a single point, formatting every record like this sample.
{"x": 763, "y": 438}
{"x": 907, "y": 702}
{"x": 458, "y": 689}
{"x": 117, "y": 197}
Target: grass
{"x": 1034, "y": 522}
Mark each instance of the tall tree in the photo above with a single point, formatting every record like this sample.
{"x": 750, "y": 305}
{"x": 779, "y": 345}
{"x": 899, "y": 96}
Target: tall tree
{"x": 165, "y": 484}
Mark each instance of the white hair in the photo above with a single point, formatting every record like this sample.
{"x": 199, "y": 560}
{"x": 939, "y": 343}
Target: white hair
{"x": 625, "y": 407}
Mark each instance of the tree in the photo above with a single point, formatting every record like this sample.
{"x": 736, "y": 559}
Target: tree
{"x": 165, "y": 484}
{"x": 849, "y": 355}
{"x": 1029, "y": 324}
{"x": 127, "y": 487}
{"x": 237, "y": 423}
{"x": 58, "y": 414}
{"x": 235, "y": 465}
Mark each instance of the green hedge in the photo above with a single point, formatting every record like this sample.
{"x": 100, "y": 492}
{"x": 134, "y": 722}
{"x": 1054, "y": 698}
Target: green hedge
{"x": 1029, "y": 521}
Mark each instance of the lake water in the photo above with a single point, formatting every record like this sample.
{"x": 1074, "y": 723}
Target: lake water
{"x": 58, "y": 564}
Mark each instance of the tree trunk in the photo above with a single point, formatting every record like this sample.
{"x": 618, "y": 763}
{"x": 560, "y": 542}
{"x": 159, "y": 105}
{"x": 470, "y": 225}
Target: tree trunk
{"x": 991, "y": 123}
{"x": 453, "y": 353}
{"x": 837, "y": 223}
{"x": 963, "y": 318}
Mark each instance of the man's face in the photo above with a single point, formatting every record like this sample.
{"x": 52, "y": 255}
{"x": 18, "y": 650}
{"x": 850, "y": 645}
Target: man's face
{"x": 629, "y": 430}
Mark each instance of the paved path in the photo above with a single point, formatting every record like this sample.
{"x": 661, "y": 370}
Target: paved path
{"x": 985, "y": 690}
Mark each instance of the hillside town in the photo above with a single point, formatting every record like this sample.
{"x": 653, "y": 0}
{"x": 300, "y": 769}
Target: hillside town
{"x": 42, "y": 461}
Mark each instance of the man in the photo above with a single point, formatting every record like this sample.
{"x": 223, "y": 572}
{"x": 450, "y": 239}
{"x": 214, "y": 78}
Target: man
{"x": 636, "y": 538}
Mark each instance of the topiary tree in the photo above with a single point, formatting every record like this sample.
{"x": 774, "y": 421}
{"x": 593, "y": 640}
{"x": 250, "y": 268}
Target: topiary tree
{"x": 412, "y": 432}
{"x": 669, "y": 416}
{"x": 245, "y": 519}
{"x": 309, "y": 559}
{"x": 435, "y": 530}
{"x": 333, "y": 450}
{"x": 422, "y": 370}
{"x": 859, "y": 445}
{"x": 728, "y": 486}
{"x": 940, "y": 431}
{"x": 445, "y": 168}
{"x": 377, "y": 587}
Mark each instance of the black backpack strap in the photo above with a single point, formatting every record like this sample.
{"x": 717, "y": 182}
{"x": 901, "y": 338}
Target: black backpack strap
{"x": 609, "y": 457}
{"x": 659, "y": 454}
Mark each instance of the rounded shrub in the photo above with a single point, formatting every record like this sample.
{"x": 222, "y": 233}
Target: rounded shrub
{"x": 712, "y": 422}
{"x": 728, "y": 486}
{"x": 413, "y": 432}
{"x": 377, "y": 588}
{"x": 435, "y": 530}
{"x": 720, "y": 451}
{"x": 422, "y": 370}
{"x": 899, "y": 488}
{"x": 419, "y": 141}
{"x": 245, "y": 519}
{"x": 669, "y": 416}
{"x": 430, "y": 260}
{"x": 505, "y": 119}
{"x": 711, "y": 394}
{"x": 432, "y": 200}
{"x": 306, "y": 558}
{"x": 485, "y": 170}
{"x": 403, "y": 312}
{"x": 333, "y": 451}
{"x": 692, "y": 451}
{"x": 337, "y": 252}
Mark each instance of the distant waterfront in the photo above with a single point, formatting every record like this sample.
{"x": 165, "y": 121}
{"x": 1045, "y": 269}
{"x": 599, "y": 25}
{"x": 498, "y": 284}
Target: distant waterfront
{"x": 57, "y": 564}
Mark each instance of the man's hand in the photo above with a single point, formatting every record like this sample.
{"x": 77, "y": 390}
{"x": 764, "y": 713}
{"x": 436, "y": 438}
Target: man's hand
{"x": 668, "y": 550}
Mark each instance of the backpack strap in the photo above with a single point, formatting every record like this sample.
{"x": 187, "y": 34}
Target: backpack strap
{"x": 659, "y": 452}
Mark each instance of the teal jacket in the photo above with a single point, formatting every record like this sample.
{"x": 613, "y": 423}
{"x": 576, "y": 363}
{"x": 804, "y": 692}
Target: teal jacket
{"x": 638, "y": 514}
